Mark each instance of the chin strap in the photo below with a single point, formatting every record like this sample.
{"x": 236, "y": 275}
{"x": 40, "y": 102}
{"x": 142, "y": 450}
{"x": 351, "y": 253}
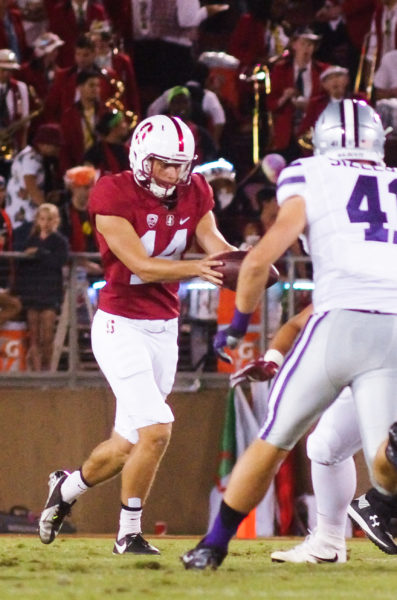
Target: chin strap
{"x": 159, "y": 191}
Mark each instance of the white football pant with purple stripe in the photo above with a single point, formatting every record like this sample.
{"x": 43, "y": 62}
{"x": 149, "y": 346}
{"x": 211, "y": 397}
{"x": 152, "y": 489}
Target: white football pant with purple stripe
{"x": 337, "y": 349}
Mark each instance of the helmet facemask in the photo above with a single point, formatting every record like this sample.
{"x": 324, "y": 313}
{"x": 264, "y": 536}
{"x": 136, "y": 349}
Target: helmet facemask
{"x": 162, "y": 189}
{"x": 166, "y": 139}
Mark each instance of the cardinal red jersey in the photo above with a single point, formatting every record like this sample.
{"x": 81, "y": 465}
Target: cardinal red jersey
{"x": 164, "y": 233}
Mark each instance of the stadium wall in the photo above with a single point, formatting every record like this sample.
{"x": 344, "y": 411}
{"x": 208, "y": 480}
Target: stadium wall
{"x": 47, "y": 429}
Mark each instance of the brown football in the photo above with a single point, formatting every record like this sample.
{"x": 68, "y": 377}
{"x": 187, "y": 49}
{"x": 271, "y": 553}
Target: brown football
{"x": 231, "y": 267}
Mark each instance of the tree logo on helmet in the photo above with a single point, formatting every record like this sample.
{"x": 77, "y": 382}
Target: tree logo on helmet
{"x": 142, "y": 132}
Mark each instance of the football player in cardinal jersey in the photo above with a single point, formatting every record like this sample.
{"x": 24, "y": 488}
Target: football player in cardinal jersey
{"x": 144, "y": 219}
{"x": 344, "y": 200}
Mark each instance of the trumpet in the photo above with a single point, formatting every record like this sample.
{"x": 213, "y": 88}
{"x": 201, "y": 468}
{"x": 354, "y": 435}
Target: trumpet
{"x": 115, "y": 100}
{"x": 366, "y": 67}
{"x": 260, "y": 77}
{"x": 7, "y": 149}
{"x": 305, "y": 141}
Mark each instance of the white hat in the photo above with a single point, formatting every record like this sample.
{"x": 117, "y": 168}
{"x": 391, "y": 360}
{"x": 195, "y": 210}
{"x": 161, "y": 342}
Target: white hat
{"x": 307, "y": 33}
{"x": 219, "y": 59}
{"x": 46, "y": 43}
{"x": 8, "y": 59}
{"x": 217, "y": 169}
{"x": 100, "y": 27}
{"x": 333, "y": 70}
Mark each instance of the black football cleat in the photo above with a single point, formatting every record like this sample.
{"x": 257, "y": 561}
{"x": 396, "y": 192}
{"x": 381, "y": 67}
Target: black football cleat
{"x": 373, "y": 524}
{"x": 201, "y": 558}
{"x": 55, "y": 509}
{"x": 134, "y": 543}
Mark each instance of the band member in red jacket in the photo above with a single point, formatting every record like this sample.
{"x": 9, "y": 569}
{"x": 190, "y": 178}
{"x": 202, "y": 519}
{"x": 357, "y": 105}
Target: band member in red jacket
{"x": 293, "y": 80}
{"x": 69, "y": 20}
{"x": 63, "y": 92}
{"x": 79, "y": 121}
{"x": 12, "y": 33}
{"x": 108, "y": 56}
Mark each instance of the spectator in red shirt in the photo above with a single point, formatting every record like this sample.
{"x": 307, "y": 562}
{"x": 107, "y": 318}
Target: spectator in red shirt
{"x": 63, "y": 93}
{"x": 294, "y": 80}
{"x": 79, "y": 121}
{"x": 75, "y": 220}
{"x": 69, "y": 19}
{"x": 39, "y": 72}
{"x": 108, "y": 56}
{"x": 110, "y": 153}
{"x": 12, "y": 33}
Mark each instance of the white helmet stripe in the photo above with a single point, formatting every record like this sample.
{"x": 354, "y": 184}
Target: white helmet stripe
{"x": 350, "y": 124}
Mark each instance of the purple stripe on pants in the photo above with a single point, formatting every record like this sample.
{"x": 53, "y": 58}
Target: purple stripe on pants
{"x": 287, "y": 370}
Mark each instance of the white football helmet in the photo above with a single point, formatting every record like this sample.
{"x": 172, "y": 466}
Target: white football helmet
{"x": 165, "y": 138}
{"x": 349, "y": 129}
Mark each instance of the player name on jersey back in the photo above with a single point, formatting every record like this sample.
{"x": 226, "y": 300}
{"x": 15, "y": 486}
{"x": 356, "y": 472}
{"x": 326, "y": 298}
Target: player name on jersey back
{"x": 351, "y": 213}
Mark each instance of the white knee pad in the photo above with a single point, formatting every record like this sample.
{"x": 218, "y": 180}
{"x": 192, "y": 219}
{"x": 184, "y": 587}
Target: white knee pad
{"x": 323, "y": 447}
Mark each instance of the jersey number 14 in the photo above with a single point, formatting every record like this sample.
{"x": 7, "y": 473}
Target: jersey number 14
{"x": 172, "y": 252}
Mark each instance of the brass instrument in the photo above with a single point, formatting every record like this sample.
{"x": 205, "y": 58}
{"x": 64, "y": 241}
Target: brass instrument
{"x": 366, "y": 67}
{"x": 115, "y": 100}
{"x": 305, "y": 141}
{"x": 261, "y": 80}
{"x": 7, "y": 152}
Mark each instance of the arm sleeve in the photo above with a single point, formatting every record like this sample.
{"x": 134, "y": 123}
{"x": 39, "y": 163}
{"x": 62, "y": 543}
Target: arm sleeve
{"x": 213, "y": 107}
{"x": 30, "y": 165}
{"x": 23, "y": 90}
{"x": 106, "y": 198}
{"x": 292, "y": 182}
{"x": 382, "y": 77}
{"x": 190, "y": 14}
{"x": 205, "y": 194}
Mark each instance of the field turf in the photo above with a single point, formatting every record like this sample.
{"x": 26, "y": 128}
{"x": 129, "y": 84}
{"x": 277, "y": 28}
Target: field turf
{"x": 84, "y": 568}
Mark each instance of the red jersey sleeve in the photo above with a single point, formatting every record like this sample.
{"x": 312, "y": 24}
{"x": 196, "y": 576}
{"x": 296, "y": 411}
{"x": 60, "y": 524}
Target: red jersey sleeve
{"x": 108, "y": 197}
{"x": 205, "y": 195}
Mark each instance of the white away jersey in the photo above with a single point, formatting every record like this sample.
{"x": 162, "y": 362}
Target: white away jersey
{"x": 351, "y": 213}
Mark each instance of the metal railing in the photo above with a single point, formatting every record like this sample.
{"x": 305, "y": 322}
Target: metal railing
{"x": 73, "y": 364}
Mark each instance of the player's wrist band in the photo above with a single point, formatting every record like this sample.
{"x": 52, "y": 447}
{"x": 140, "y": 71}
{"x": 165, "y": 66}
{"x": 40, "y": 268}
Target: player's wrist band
{"x": 240, "y": 321}
{"x": 273, "y": 355}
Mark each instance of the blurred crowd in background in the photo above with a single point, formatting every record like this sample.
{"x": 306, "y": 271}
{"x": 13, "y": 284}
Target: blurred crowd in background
{"x": 249, "y": 78}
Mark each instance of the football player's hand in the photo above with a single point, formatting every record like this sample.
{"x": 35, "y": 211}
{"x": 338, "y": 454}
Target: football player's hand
{"x": 206, "y": 271}
{"x": 226, "y": 338}
{"x": 256, "y": 370}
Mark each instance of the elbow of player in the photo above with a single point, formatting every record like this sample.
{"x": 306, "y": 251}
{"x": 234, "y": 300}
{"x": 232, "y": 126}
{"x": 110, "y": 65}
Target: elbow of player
{"x": 148, "y": 272}
{"x": 145, "y": 275}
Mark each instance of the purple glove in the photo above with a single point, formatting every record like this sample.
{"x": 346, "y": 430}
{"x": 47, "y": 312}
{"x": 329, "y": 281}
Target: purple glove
{"x": 230, "y": 336}
{"x": 256, "y": 370}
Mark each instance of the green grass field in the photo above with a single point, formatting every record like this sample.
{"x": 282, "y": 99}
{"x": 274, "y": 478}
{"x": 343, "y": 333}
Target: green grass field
{"x": 77, "y": 568}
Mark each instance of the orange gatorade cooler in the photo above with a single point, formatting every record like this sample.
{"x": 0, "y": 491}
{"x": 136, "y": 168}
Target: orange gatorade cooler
{"x": 249, "y": 347}
{"x": 13, "y": 346}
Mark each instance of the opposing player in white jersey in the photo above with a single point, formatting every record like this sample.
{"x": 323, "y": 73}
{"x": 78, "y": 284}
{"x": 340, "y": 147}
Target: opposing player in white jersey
{"x": 144, "y": 218}
{"x": 330, "y": 448}
{"x": 344, "y": 200}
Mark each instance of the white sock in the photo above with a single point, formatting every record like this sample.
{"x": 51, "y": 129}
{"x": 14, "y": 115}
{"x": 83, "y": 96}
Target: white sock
{"x": 334, "y": 487}
{"x": 130, "y": 518}
{"x": 73, "y": 487}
